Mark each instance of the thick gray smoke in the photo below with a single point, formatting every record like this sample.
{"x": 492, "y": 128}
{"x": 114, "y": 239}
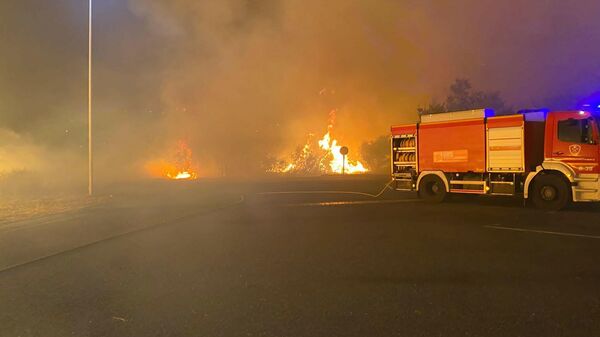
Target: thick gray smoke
{"x": 242, "y": 80}
{"x": 250, "y": 78}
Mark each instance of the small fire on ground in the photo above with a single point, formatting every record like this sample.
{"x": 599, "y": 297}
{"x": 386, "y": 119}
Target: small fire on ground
{"x": 179, "y": 165}
{"x": 319, "y": 157}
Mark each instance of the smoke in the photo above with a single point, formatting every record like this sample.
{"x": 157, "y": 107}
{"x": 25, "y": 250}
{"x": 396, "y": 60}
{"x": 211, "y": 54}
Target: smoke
{"x": 29, "y": 168}
{"x": 250, "y": 78}
{"x": 242, "y": 80}
{"x": 17, "y": 154}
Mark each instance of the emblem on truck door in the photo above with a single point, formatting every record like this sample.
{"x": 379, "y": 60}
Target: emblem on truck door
{"x": 575, "y": 149}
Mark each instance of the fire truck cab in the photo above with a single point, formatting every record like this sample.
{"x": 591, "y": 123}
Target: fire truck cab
{"x": 549, "y": 158}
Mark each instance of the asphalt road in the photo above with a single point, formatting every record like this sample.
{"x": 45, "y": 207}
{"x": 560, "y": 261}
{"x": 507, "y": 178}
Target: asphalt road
{"x": 226, "y": 260}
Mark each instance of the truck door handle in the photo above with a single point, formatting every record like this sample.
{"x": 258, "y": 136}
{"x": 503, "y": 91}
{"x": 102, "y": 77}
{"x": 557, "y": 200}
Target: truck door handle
{"x": 558, "y": 153}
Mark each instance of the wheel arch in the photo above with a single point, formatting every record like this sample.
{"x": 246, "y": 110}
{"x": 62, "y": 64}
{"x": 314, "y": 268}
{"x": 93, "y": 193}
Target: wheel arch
{"x": 439, "y": 174}
{"x": 557, "y": 168}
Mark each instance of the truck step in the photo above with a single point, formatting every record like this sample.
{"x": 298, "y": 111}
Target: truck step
{"x": 455, "y": 190}
{"x": 585, "y": 190}
{"x": 501, "y": 183}
{"x": 466, "y": 182}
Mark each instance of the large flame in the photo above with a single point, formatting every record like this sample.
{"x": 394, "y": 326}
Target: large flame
{"x": 178, "y": 166}
{"x": 182, "y": 175}
{"x": 322, "y": 157}
{"x": 339, "y": 163}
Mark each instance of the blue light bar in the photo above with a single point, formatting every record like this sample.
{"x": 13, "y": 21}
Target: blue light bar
{"x": 489, "y": 113}
{"x": 526, "y": 111}
{"x": 534, "y": 114}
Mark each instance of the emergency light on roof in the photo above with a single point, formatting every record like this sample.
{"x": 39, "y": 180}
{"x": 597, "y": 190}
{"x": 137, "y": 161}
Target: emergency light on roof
{"x": 534, "y": 115}
{"x": 457, "y": 115}
{"x": 590, "y": 107}
{"x": 526, "y": 111}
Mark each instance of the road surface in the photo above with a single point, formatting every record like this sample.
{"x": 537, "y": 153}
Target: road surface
{"x": 229, "y": 260}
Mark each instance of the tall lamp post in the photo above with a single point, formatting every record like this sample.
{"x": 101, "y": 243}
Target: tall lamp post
{"x": 90, "y": 158}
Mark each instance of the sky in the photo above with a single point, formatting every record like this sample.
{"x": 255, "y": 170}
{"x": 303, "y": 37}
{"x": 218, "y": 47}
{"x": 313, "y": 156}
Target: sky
{"x": 242, "y": 80}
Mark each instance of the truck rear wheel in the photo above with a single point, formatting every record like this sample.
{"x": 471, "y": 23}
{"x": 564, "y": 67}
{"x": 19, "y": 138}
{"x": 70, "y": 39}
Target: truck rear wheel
{"x": 550, "y": 192}
{"x": 432, "y": 189}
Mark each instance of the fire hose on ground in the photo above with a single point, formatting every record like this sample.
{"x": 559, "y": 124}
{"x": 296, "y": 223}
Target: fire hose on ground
{"x": 374, "y": 196}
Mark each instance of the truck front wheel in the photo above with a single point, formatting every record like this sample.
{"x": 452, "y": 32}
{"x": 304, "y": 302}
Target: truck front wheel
{"x": 432, "y": 189}
{"x": 550, "y": 192}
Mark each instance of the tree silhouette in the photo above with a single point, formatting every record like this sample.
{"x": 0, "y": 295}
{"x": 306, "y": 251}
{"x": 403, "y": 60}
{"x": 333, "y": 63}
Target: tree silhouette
{"x": 462, "y": 97}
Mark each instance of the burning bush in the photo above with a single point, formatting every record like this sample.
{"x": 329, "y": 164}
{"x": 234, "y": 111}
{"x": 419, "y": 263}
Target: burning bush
{"x": 322, "y": 156}
{"x": 178, "y": 165}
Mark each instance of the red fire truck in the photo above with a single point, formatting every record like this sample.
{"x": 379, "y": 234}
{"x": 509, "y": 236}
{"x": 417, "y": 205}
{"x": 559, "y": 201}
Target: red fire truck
{"x": 551, "y": 158}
